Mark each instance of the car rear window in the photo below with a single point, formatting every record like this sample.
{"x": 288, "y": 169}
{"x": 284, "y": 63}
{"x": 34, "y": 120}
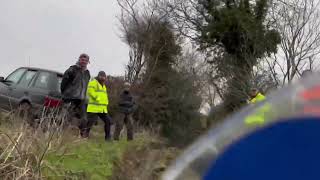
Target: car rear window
{"x": 49, "y": 81}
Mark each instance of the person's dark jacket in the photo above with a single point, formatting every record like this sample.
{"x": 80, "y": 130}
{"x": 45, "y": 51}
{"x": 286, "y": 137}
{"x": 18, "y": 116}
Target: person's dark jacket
{"x": 126, "y": 103}
{"x": 74, "y": 83}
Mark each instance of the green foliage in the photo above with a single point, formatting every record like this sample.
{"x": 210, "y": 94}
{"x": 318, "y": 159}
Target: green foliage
{"x": 240, "y": 29}
{"x": 169, "y": 98}
{"x": 184, "y": 103}
{"x": 162, "y": 52}
{"x": 237, "y": 27}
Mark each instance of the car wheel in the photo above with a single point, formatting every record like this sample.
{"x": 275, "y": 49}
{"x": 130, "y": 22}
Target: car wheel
{"x": 24, "y": 110}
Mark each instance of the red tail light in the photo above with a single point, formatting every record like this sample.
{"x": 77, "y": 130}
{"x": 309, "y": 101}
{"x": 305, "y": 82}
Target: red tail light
{"x": 312, "y": 110}
{"x": 51, "y": 102}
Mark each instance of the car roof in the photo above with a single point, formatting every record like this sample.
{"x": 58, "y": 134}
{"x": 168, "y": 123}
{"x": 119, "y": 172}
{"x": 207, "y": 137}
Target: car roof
{"x": 41, "y": 69}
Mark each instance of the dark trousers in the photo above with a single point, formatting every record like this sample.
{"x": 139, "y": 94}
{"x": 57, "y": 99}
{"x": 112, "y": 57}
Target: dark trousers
{"x": 92, "y": 119}
{"x": 76, "y": 108}
{"x": 121, "y": 120}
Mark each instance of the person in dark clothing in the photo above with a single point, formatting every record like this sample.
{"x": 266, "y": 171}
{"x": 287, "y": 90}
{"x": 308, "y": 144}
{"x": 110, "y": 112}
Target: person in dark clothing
{"x": 98, "y": 104}
{"x": 126, "y": 108}
{"x": 74, "y": 88}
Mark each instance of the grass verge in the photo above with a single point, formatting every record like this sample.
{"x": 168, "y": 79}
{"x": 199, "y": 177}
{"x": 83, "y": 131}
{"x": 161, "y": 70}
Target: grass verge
{"x": 27, "y": 153}
{"x": 92, "y": 159}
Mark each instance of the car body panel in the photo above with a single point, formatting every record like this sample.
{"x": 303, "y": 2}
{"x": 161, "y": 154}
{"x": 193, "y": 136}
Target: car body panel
{"x": 33, "y": 87}
{"x": 4, "y": 96}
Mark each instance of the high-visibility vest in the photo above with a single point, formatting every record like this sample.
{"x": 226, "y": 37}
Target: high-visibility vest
{"x": 97, "y": 97}
{"x": 258, "y": 117}
{"x": 258, "y": 98}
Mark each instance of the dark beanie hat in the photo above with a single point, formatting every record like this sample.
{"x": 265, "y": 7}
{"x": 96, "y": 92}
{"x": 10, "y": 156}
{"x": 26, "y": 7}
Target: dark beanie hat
{"x": 102, "y": 73}
{"x": 84, "y": 55}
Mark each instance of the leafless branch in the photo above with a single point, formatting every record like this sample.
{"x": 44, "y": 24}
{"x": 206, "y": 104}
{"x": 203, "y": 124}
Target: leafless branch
{"x": 298, "y": 22}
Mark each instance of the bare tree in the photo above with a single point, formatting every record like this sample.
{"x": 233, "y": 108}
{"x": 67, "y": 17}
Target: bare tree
{"x": 264, "y": 77}
{"x": 186, "y": 17}
{"x": 298, "y": 22}
{"x": 136, "y": 21}
{"x": 194, "y": 64}
{"x": 130, "y": 25}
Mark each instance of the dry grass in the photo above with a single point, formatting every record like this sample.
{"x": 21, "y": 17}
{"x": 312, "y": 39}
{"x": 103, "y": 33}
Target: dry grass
{"x": 23, "y": 148}
{"x": 49, "y": 150}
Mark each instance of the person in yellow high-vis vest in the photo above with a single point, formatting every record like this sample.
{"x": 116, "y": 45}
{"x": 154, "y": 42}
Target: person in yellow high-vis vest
{"x": 98, "y": 104}
{"x": 258, "y": 117}
{"x": 256, "y": 96}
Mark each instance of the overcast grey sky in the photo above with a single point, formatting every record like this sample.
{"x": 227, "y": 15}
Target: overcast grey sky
{"x": 52, "y": 33}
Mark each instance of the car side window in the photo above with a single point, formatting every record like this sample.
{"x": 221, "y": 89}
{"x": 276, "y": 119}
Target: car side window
{"x": 27, "y": 78}
{"x": 42, "y": 81}
{"x": 15, "y": 76}
{"x": 59, "y": 83}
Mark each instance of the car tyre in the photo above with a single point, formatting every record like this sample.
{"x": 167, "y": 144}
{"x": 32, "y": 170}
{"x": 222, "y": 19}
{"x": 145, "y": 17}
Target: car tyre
{"x": 24, "y": 111}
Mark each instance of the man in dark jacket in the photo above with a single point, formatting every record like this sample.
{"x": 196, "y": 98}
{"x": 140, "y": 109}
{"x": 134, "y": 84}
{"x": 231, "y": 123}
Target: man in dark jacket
{"x": 126, "y": 107}
{"x": 74, "y": 89}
